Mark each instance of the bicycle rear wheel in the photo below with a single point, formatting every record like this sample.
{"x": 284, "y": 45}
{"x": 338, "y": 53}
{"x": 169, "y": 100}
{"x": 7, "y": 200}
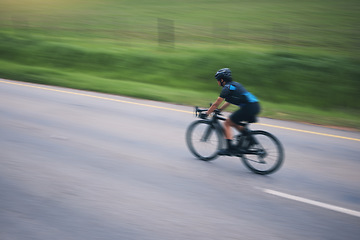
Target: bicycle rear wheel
{"x": 203, "y": 140}
{"x": 265, "y": 153}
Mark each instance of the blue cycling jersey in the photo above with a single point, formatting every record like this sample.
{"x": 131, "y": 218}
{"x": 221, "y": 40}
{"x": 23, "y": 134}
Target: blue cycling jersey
{"x": 235, "y": 93}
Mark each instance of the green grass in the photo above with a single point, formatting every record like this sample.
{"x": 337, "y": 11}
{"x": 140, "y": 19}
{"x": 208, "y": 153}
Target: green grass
{"x": 299, "y": 57}
{"x": 334, "y": 118}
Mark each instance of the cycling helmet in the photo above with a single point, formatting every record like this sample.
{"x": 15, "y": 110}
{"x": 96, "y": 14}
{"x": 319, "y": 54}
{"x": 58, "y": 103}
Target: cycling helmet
{"x": 225, "y": 74}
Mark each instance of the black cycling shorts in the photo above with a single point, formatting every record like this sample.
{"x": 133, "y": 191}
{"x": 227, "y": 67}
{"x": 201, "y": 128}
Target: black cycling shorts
{"x": 246, "y": 113}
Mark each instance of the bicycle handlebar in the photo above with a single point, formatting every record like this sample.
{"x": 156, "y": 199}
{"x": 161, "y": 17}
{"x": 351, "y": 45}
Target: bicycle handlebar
{"x": 217, "y": 112}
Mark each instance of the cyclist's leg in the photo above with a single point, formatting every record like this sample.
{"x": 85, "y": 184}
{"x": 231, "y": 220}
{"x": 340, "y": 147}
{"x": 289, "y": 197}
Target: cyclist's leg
{"x": 227, "y": 128}
{"x": 249, "y": 114}
{"x": 228, "y": 124}
{"x": 246, "y": 113}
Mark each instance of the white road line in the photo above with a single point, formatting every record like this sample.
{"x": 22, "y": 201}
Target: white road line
{"x": 312, "y": 202}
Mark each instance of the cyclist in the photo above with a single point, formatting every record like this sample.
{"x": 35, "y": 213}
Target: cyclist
{"x": 234, "y": 93}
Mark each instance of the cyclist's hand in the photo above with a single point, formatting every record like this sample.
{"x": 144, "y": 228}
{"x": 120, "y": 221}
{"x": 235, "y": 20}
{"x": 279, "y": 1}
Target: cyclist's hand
{"x": 217, "y": 111}
{"x": 203, "y": 115}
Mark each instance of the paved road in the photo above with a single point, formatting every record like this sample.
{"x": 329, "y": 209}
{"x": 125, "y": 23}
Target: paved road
{"x": 82, "y": 165}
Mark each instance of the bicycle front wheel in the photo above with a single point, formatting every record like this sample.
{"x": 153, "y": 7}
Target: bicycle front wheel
{"x": 265, "y": 154}
{"x": 203, "y": 140}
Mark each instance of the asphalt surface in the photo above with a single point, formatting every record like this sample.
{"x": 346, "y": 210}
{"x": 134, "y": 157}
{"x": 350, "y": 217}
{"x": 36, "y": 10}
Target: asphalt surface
{"x": 83, "y": 165}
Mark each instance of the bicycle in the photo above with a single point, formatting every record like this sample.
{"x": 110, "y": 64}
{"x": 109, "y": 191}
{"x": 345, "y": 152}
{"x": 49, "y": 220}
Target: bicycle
{"x": 260, "y": 151}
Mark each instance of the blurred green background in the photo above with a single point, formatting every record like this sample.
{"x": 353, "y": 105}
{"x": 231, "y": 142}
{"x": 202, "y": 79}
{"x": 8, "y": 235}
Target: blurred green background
{"x": 300, "y": 58}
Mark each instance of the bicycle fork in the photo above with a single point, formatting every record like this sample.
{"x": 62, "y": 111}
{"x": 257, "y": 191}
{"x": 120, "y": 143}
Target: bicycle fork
{"x": 207, "y": 133}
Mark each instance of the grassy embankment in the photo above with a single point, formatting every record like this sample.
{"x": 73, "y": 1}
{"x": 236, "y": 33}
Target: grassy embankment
{"x": 297, "y": 73}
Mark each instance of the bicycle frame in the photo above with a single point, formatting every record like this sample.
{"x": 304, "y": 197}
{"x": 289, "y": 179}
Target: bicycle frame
{"x": 215, "y": 124}
{"x": 259, "y": 150}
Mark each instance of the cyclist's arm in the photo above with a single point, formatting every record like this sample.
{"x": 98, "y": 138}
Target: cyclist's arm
{"x": 215, "y": 105}
{"x": 224, "y": 106}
